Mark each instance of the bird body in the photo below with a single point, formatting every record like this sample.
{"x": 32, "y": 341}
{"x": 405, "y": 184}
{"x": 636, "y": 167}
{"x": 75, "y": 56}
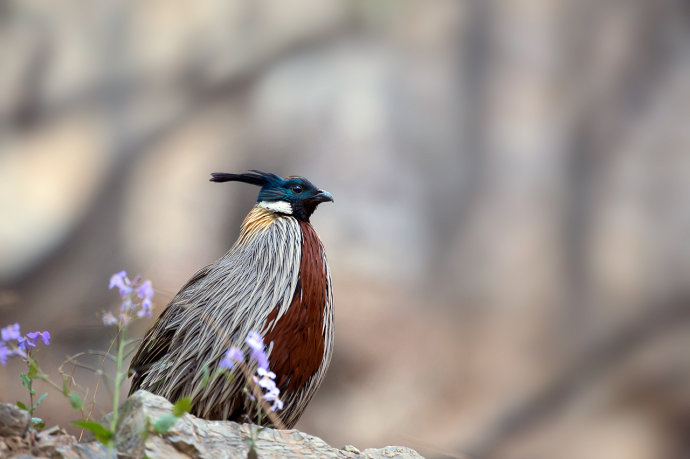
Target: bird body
{"x": 274, "y": 280}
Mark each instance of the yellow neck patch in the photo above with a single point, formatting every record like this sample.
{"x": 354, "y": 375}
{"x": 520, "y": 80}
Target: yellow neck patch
{"x": 257, "y": 220}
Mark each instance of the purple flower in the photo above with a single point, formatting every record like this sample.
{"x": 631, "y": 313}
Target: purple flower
{"x": 232, "y": 356}
{"x": 121, "y": 281}
{"x": 277, "y": 405}
{"x": 145, "y": 310}
{"x": 266, "y": 378}
{"x": 11, "y": 332}
{"x": 45, "y": 336}
{"x": 109, "y": 319}
{"x": 256, "y": 344}
{"x": 4, "y": 353}
{"x": 267, "y": 384}
{"x": 265, "y": 373}
{"x": 127, "y": 288}
{"x": 261, "y": 359}
{"x": 25, "y": 342}
{"x": 255, "y": 341}
{"x": 118, "y": 280}
{"x": 126, "y": 304}
{"x": 145, "y": 290}
{"x": 272, "y": 394}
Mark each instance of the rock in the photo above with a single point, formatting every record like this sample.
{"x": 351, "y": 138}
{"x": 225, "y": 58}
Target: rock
{"x": 189, "y": 437}
{"x": 58, "y": 444}
{"x": 192, "y": 437}
{"x": 54, "y": 443}
{"x": 13, "y": 421}
{"x": 91, "y": 450}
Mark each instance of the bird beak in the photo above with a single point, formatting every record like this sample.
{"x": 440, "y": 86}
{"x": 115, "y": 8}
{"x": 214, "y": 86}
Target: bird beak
{"x": 323, "y": 196}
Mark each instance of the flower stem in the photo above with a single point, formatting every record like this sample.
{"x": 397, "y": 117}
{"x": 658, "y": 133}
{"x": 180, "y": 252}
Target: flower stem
{"x": 119, "y": 376}
{"x": 31, "y": 397}
{"x": 29, "y": 362}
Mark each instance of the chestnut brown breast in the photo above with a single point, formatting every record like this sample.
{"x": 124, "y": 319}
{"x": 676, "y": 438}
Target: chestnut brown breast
{"x": 298, "y": 342}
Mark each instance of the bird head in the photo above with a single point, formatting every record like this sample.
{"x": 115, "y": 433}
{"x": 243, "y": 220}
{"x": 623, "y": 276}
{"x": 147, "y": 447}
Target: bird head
{"x": 294, "y": 196}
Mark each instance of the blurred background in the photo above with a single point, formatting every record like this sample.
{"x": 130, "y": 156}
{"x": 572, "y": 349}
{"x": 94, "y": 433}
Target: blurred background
{"x": 510, "y": 239}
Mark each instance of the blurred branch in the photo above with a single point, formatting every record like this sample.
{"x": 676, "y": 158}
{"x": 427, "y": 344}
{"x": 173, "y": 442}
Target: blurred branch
{"x": 462, "y": 191}
{"x": 598, "y": 358}
{"x": 605, "y": 112}
{"x": 188, "y": 79}
{"x": 27, "y": 105}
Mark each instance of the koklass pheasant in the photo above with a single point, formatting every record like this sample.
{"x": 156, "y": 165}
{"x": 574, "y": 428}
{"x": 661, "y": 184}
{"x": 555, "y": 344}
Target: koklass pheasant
{"x": 274, "y": 280}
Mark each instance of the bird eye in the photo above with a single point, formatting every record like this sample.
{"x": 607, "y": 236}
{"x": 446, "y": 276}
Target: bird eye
{"x": 297, "y": 188}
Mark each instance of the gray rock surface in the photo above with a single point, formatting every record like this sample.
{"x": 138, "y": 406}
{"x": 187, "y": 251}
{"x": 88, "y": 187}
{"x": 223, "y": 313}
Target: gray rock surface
{"x": 54, "y": 443}
{"x": 190, "y": 437}
{"x": 13, "y": 421}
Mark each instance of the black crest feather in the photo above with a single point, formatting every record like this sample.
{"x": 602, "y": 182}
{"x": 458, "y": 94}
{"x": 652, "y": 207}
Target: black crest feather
{"x": 254, "y": 177}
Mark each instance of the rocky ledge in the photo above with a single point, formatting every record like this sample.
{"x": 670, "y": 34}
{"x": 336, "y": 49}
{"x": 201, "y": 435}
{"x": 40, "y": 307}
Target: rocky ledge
{"x": 190, "y": 437}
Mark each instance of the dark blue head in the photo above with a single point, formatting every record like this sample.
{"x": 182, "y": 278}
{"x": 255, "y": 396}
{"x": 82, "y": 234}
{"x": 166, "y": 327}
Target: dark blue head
{"x": 294, "y": 196}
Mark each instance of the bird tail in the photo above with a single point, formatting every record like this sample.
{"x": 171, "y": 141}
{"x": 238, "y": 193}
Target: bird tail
{"x": 254, "y": 177}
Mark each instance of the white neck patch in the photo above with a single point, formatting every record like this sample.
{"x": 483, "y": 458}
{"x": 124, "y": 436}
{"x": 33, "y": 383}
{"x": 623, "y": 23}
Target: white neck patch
{"x": 281, "y": 207}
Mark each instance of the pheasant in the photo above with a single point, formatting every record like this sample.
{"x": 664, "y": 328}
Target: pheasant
{"x": 274, "y": 280}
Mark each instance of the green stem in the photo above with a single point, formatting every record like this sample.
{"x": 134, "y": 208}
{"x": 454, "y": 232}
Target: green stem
{"x": 119, "y": 376}
{"x": 31, "y": 397}
{"x": 31, "y": 383}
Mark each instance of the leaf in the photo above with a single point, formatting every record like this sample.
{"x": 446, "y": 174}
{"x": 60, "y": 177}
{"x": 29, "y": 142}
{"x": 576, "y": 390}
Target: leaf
{"x": 99, "y": 431}
{"x": 33, "y": 369}
{"x": 164, "y": 424}
{"x": 22, "y": 406}
{"x": 76, "y": 401}
{"x": 26, "y": 381}
{"x": 183, "y": 405}
{"x": 38, "y": 423}
{"x": 40, "y": 399}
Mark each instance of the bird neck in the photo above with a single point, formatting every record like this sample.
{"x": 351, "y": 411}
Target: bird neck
{"x": 257, "y": 221}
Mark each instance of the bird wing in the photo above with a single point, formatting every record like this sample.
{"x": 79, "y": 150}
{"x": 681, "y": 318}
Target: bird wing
{"x": 215, "y": 310}
{"x": 157, "y": 341}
